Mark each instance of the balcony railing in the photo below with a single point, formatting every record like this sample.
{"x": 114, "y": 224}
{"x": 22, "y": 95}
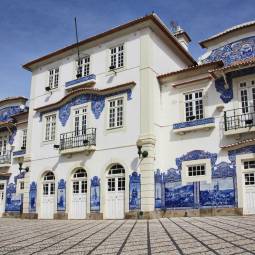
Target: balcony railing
{"x": 5, "y": 158}
{"x": 77, "y": 139}
{"x": 239, "y": 118}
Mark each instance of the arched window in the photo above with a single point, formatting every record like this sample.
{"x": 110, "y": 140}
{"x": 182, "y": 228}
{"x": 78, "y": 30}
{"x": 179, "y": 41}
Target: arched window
{"x": 80, "y": 173}
{"x": 49, "y": 176}
{"x": 117, "y": 169}
{"x": 79, "y": 181}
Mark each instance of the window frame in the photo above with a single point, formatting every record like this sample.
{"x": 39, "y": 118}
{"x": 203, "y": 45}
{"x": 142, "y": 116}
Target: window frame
{"x": 83, "y": 65}
{"x": 45, "y": 128}
{"x": 124, "y": 105}
{"x": 193, "y": 101}
{"x": 117, "y": 67}
{"x": 53, "y": 86}
{"x": 88, "y": 118}
{"x": 24, "y": 138}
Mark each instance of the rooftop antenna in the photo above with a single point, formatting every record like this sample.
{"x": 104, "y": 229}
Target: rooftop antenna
{"x": 78, "y": 75}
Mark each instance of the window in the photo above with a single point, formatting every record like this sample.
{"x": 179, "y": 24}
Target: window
{"x": 121, "y": 183}
{"x": 249, "y": 164}
{"x": 117, "y": 169}
{"x": 49, "y": 177}
{"x": 249, "y": 178}
{"x": 1, "y": 186}
{"x": 53, "y": 78}
{"x": 115, "y": 114}
{"x": 21, "y": 185}
{"x": 117, "y": 56}
{"x": 111, "y": 184}
{"x": 3, "y": 145}
{"x": 247, "y": 95}
{"x": 194, "y": 105}
{"x": 24, "y": 139}
{"x": 75, "y": 187}
{"x": 83, "y": 67}
{"x": 196, "y": 170}
{"x": 80, "y": 121}
{"x": 50, "y": 127}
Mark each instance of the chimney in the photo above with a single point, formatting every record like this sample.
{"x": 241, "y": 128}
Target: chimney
{"x": 180, "y": 35}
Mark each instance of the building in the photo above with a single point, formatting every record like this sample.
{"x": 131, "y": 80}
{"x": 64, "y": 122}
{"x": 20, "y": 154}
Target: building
{"x": 136, "y": 128}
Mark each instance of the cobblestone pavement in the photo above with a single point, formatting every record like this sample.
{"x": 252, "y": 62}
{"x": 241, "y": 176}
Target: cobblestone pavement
{"x": 212, "y": 235}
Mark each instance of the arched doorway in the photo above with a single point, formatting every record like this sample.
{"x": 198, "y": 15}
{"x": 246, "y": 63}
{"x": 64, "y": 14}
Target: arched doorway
{"x": 48, "y": 196}
{"x": 115, "y": 194}
{"x": 78, "y": 208}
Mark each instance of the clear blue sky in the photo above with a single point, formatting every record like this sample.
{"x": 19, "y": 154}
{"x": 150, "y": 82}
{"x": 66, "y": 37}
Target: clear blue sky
{"x": 33, "y": 28}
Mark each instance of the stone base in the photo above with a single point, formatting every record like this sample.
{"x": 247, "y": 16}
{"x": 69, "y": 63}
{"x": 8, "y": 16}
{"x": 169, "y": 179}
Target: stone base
{"x": 11, "y": 215}
{"x": 60, "y": 216}
{"x": 94, "y": 216}
{"x": 30, "y": 216}
{"x": 204, "y": 212}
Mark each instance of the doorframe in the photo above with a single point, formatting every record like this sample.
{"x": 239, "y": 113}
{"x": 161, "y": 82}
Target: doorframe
{"x": 40, "y": 193}
{"x": 105, "y": 186}
{"x": 240, "y": 176}
{"x": 69, "y": 189}
{"x": 4, "y": 200}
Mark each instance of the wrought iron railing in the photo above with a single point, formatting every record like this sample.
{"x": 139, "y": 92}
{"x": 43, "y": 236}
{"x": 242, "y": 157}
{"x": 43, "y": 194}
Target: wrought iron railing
{"x": 239, "y": 118}
{"x": 5, "y": 158}
{"x": 78, "y": 138}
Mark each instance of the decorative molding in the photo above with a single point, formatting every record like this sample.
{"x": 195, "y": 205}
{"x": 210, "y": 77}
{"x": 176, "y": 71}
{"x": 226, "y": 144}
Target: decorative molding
{"x": 232, "y": 52}
{"x": 95, "y": 194}
{"x": 61, "y": 203}
{"x": 135, "y": 191}
{"x": 194, "y": 123}
{"x": 226, "y": 90}
{"x": 32, "y": 197}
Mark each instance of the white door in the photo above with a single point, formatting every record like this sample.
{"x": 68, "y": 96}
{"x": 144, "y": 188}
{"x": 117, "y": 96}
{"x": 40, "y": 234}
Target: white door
{"x": 2, "y": 199}
{"x": 79, "y": 199}
{"x": 79, "y": 195}
{"x": 249, "y": 193}
{"x": 48, "y": 201}
{"x": 115, "y": 197}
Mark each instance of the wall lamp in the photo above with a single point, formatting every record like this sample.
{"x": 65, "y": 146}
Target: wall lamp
{"x": 142, "y": 154}
{"x": 23, "y": 169}
{"x": 56, "y": 146}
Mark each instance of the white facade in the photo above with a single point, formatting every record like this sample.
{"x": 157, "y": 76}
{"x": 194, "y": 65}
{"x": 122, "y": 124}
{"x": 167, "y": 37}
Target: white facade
{"x": 84, "y": 133}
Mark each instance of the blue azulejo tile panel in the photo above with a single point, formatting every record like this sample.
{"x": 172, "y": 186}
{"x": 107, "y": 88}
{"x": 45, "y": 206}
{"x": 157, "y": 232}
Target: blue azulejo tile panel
{"x": 82, "y": 79}
{"x": 14, "y": 202}
{"x": 32, "y": 197}
{"x": 61, "y": 203}
{"x": 8, "y": 112}
{"x": 219, "y": 193}
{"x": 194, "y": 123}
{"x": 19, "y": 153}
{"x": 234, "y": 51}
{"x": 95, "y": 194}
{"x": 179, "y": 196}
{"x": 135, "y": 191}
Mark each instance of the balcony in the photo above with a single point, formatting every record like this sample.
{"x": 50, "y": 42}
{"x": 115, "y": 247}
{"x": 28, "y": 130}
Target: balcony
{"x": 240, "y": 120}
{"x": 5, "y": 159}
{"x": 78, "y": 141}
{"x": 86, "y": 81}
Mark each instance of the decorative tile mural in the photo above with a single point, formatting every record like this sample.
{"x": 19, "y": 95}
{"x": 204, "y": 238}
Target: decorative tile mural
{"x": 135, "y": 191}
{"x": 97, "y": 104}
{"x": 95, "y": 194}
{"x": 235, "y": 51}
{"x": 6, "y": 113}
{"x": 194, "y": 123}
{"x": 61, "y": 203}
{"x": 178, "y": 195}
{"x": 32, "y": 197}
{"x": 14, "y": 202}
{"x": 226, "y": 91}
{"x": 219, "y": 193}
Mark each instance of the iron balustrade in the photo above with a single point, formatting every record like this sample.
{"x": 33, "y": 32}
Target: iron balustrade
{"x": 78, "y": 138}
{"x": 239, "y": 118}
{"x": 5, "y": 158}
